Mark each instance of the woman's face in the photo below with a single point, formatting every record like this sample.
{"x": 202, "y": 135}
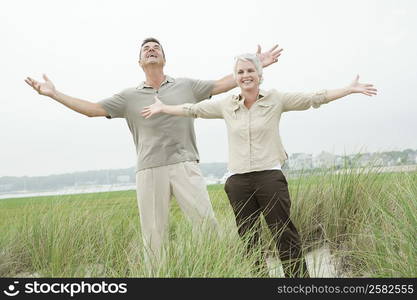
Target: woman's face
{"x": 247, "y": 76}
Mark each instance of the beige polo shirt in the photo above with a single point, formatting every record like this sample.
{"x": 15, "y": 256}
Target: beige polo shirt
{"x": 253, "y": 134}
{"x": 162, "y": 139}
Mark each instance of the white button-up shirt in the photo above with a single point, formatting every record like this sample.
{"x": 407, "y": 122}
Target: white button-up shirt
{"x": 253, "y": 134}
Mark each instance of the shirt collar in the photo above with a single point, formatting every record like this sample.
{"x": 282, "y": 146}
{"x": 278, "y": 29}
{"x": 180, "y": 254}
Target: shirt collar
{"x": 239, "y": 99}
{"x": 168, "y": 79}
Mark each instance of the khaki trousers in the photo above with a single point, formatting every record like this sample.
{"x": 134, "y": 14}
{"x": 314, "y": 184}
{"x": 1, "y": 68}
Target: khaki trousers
{"x": 155, "y": 186}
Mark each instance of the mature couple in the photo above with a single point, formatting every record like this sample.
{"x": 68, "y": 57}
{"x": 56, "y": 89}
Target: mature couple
{"x": 167, "y": 154}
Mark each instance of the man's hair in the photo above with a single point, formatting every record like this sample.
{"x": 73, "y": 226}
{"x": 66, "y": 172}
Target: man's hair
{"x": 151, "y": 39}
{"x": 253, "y": 58}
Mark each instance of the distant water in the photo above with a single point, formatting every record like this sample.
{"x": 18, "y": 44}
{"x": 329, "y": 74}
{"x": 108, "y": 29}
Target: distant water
{"x": 70, "y": 191}
{"x": 109, "y": 188}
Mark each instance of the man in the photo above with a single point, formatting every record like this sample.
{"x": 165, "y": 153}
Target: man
{"x": 167, "y": 156}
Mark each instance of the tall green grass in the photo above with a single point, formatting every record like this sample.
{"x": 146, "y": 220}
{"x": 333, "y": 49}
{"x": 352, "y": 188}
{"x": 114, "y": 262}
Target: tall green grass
{"x": 368, "y": 220}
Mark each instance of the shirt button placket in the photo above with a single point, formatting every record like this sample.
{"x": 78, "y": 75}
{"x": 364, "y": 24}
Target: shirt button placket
{"x": 249, "y": 140}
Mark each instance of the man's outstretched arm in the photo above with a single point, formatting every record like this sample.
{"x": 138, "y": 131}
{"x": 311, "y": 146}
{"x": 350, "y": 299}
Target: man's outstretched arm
{"x": 228, "y": 82}
{"x": 84, "y": 107}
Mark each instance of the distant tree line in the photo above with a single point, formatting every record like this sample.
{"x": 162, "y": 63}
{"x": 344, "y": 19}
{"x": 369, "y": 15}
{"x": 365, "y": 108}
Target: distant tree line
{"x": 100, "y": 177}
{"x": 216, "y": 170}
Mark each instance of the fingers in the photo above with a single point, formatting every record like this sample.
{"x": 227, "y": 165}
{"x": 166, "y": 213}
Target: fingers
{"x": 147, "y": 115}
{"x": 357, "y": 77}
{"x": 276, "y": 54}
{"x": 34, "y": 84}
{"x": 146, "y": 112}
{"x": 45, "y": 77}
{"x": 273, "y": 48}
{"x": 369, "y": 89}
{"x": 28, "y": 81}
{"x": 278, "y": 51}
{"x": 370, "y": 92}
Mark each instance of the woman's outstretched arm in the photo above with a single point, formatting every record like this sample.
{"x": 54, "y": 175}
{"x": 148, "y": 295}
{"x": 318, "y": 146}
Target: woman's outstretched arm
{"x": 355, "y": 87}
{"x": 159, "y": 107}
{"x": 303, "y": 101}
{"x": 207, "y": 109}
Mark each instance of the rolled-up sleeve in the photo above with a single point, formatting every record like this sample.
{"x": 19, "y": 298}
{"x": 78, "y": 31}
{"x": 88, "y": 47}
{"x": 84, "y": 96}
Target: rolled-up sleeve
{"x": 303, "y": 101}
{"x": 207, "y": 109}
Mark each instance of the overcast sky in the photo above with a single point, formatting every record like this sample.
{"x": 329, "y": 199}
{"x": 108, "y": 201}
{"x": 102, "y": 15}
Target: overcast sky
{"x": 89, "y": 50}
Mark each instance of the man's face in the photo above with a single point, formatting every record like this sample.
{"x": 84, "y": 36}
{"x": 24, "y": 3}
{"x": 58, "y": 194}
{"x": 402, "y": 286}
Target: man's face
{"x": 151, "y": 53}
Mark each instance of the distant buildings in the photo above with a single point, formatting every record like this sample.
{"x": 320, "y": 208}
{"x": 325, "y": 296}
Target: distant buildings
{"x": 304, "y": 161}
{"x": 300, "y": 161}
{"x": 325, "y": 160}
{"x": 123, "y": 179}
{"x": 214, "y": 173}
{"x": 211, "y": 179}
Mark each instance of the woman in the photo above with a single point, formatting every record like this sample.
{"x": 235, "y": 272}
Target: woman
{"x": 256, "y": 154}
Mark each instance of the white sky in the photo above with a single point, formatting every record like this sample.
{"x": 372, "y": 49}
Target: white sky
{"x": 89, "y": 50}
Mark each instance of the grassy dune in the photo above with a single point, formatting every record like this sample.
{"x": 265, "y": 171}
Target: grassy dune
{"x": 368, "y": 219}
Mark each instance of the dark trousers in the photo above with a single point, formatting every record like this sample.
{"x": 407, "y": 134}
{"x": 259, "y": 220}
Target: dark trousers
{"x": 266, "y": 192}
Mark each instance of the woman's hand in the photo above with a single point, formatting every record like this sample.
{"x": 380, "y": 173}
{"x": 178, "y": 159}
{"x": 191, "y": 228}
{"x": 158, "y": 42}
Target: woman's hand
{"x": 363, "y": 88}
{"x": 156, "y": 108}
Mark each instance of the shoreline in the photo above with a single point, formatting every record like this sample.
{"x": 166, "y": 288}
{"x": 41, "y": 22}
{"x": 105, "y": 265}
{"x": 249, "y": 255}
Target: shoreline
{"x": 126, "y": 187}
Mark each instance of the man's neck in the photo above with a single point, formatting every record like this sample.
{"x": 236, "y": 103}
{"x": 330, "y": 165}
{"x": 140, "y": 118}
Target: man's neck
{"x": 154, "y": 77}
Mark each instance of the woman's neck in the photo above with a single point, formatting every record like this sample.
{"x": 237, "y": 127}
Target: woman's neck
{"x": 250, "y": 96}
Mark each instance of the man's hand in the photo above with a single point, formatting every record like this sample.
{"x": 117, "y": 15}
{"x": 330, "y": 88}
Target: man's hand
{"x": 84, "y": 107}
{"x": 153, "y": 109}
{"x": 228, "y": 82}
{"x": 363, "y": 88}
{"x": 269, "y": 57}
{"x": 46, "y": 88}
